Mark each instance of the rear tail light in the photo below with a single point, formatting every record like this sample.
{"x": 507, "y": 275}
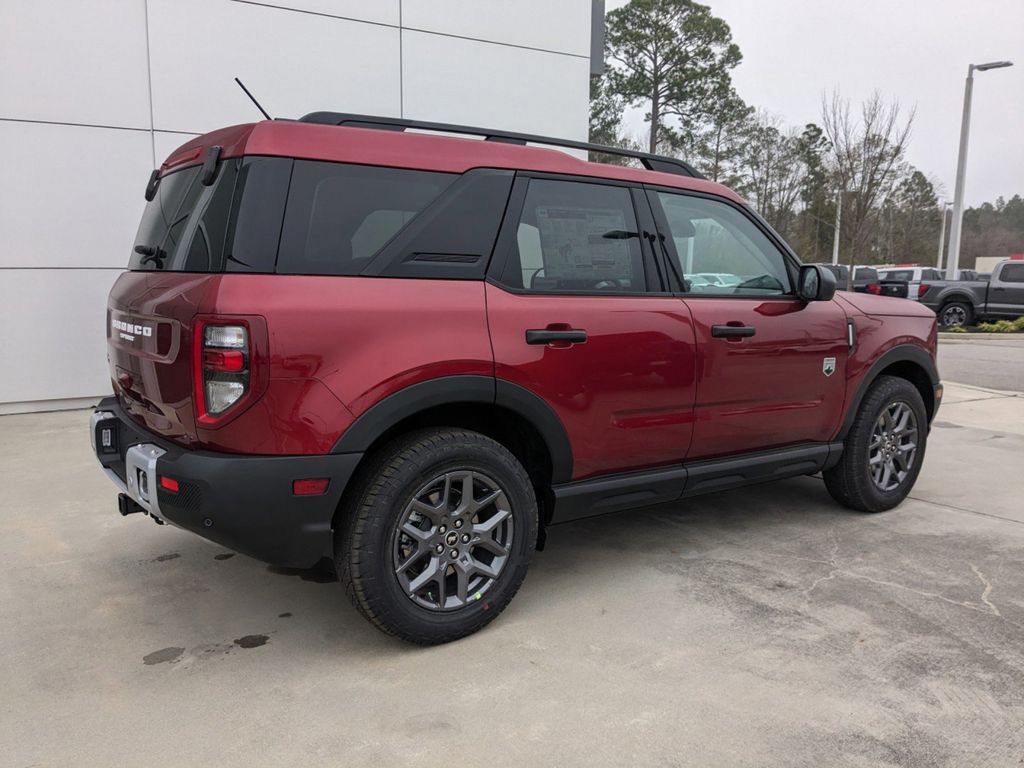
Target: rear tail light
{"x": 875, "y": 288}
{"x": 222, "y": 367}
{"x": 922, "y": 289}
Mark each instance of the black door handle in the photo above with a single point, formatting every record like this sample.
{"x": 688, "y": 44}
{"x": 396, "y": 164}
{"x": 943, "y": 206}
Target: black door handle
{"x": 730, "y": 331}
{"x": 544, "y": 336}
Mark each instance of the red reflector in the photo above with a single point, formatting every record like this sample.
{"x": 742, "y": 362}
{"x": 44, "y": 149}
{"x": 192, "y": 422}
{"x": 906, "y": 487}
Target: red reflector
{"x": 874, "y": 288}
{"x": 169, "y": 484}
{"x": 922, "y": 289}
{"x": 311, "y": 487}
{"x": 223, "y": 360}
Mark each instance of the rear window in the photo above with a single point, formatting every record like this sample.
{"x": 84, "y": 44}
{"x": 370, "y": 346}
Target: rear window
{"x": 898, "y": 274}
{"x": 864, "y": 273}
{"x": 189, "y": 227}
{"x": 339, "y": 216}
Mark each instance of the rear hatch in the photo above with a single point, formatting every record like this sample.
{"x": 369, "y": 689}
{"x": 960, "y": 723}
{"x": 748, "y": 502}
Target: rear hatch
{"x": 202, "y": 222}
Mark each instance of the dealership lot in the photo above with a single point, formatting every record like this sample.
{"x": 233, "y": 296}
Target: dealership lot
{"x": 765, "y": 626}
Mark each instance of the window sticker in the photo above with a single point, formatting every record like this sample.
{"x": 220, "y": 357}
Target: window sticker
{"x": 576, "y": 242}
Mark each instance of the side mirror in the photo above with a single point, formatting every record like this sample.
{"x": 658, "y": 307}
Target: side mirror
{"x": 816, "y": 283}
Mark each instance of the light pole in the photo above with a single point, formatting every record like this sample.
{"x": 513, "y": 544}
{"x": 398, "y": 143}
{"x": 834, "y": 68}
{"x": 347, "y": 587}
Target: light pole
{"x": 835, "y": 234}
{"x": 942, "y": 234}
{"x": 953, "y": 255}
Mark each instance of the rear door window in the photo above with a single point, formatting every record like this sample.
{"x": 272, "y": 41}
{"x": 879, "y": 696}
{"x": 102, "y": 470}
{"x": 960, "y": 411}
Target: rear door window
{"x": 576, "y": 237}
{"x": 339, "y": 216}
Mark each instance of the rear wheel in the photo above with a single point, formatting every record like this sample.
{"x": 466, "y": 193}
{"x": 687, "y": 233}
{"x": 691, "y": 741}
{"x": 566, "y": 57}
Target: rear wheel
{"x": 885, "y": 447}
{"x": 438, "y": 535}
{"x": 956, "y": 314}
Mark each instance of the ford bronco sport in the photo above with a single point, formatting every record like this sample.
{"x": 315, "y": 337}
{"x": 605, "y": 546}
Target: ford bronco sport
{"x": 412, "y": 353}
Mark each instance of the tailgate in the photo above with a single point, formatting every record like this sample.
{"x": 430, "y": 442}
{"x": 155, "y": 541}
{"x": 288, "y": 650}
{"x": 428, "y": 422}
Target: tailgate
{"x": 149, "y": 318}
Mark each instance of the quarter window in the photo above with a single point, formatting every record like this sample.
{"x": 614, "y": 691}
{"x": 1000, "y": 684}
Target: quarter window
{"x": 718, "y": 251}
{"x": 339, "y": 216}
{"x": 576, "y": 237}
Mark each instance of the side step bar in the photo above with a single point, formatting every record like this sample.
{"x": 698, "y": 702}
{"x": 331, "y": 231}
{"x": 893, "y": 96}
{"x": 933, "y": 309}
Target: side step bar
{"x": 614, "y": 493}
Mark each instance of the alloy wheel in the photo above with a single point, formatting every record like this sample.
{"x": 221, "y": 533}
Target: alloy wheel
{"x": 893, "y": 446}
{"x": 453, "y": 540}
{"x": 954, "y": 316}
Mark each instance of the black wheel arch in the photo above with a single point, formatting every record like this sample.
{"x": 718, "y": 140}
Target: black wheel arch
{"x": 907, "y": 361}
{"x": 471, "y": 401}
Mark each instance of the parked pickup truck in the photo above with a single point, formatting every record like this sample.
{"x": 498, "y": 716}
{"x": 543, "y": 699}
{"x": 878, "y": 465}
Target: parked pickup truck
{"x": 963, "y": 302}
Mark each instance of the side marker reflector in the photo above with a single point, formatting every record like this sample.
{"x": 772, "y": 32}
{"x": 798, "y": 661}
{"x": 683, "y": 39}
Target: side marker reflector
{"x": 316, "y": 486}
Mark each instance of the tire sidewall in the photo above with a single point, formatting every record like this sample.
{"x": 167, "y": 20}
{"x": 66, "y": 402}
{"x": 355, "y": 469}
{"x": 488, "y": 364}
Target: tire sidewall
{"x": 380, "y": 528}
{"x": 889, "y": 391}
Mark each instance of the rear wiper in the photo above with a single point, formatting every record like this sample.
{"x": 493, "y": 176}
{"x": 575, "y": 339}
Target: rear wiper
{"x": 151, "y": 253}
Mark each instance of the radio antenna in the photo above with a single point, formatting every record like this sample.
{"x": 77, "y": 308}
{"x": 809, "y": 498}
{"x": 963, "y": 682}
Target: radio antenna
{"x": 261, "y": 109}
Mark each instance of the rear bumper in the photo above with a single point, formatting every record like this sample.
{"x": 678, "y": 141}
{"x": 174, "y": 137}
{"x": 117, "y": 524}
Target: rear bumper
{"x": 244, "y": 503}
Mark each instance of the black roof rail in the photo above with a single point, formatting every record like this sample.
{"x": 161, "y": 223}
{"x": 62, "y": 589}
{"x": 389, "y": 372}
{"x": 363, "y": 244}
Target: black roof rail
{"x": 649, "y": 161}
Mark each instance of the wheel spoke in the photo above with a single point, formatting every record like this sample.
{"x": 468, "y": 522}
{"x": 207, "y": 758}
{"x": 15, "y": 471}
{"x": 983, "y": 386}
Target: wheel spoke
{"x": 488, "y": 525}
{"x": 429, "y": 574}
{"x": 490, "y": 545}
{"x": 416, "y": 533}
{"x": 486, "y": 570}
{"x": 462, "y": 574}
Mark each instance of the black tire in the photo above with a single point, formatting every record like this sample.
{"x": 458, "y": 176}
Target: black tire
{"x": 379, "y": 502}
{"x": 956, "y": 314}
{"x": 850, "y": 482}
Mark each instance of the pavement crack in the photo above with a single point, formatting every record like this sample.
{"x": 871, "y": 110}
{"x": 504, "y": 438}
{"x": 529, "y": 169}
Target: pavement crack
{"x": 988, "y": 590}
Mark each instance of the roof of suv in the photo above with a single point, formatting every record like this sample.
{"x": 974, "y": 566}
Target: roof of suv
{"x": 421, "y": 151}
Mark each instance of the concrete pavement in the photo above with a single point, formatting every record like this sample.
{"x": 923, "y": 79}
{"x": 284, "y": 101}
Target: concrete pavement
{"x": 765, "y": 626}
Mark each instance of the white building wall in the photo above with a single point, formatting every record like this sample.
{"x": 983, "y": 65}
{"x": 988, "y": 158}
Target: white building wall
{"x": 95, "y": 94}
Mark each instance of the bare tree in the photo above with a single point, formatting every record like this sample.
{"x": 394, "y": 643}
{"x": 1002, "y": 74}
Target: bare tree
{"x": 867, "y": 153}
{"x": 771, "y": 170}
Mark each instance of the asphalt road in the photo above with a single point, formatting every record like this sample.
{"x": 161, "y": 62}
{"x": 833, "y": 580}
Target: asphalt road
{"x": 983, "y": 361}
{"x": 764, "y": 626}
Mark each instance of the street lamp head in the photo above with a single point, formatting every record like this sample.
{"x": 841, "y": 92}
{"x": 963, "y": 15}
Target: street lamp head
{"x": 993, "y": 65}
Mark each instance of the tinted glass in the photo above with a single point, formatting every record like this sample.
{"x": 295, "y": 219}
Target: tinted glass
{"x": 719, "y": 251}
{"x": 339, "y": 216}
{"x": 865, "y": 273}
{"x": 163, "y": 222}
{"x": 898, "y": 274}
{"x": 188, "y": 227}
{"x": 1013, "y": 273}
{"x": 576, "y": 237}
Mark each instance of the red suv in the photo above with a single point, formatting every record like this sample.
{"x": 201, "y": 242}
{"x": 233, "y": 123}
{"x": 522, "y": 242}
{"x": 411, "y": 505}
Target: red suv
{"x": 412, "y": 353}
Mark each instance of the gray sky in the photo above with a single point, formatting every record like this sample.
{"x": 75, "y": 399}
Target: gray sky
{"x": 914, "y": 50}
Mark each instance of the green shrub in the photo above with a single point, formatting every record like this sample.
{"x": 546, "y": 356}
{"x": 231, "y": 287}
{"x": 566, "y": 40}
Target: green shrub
{"x": 1003, "y": 326}
{"x": 955, "y": 329}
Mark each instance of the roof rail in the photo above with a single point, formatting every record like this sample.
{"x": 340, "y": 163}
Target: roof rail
{"x": 649, "y": 161}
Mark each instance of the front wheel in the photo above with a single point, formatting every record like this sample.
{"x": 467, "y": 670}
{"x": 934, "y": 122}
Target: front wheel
{"x": 884, "y": 449}
{"x": 437, "y": 535}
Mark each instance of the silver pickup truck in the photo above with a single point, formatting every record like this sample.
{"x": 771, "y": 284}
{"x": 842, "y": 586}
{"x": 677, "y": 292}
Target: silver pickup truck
{"x": 963, "y": 302}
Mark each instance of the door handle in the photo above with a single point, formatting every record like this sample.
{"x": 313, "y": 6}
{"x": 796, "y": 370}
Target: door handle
{"x": 731, "y": 331}
{"x": 545, "y": 336}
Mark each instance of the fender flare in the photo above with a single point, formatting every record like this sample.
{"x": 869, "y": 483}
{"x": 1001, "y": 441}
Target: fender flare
{"x": 899, "y": 354}
{"x": 452, "y": 390}
{"x": 964, "y": 298}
